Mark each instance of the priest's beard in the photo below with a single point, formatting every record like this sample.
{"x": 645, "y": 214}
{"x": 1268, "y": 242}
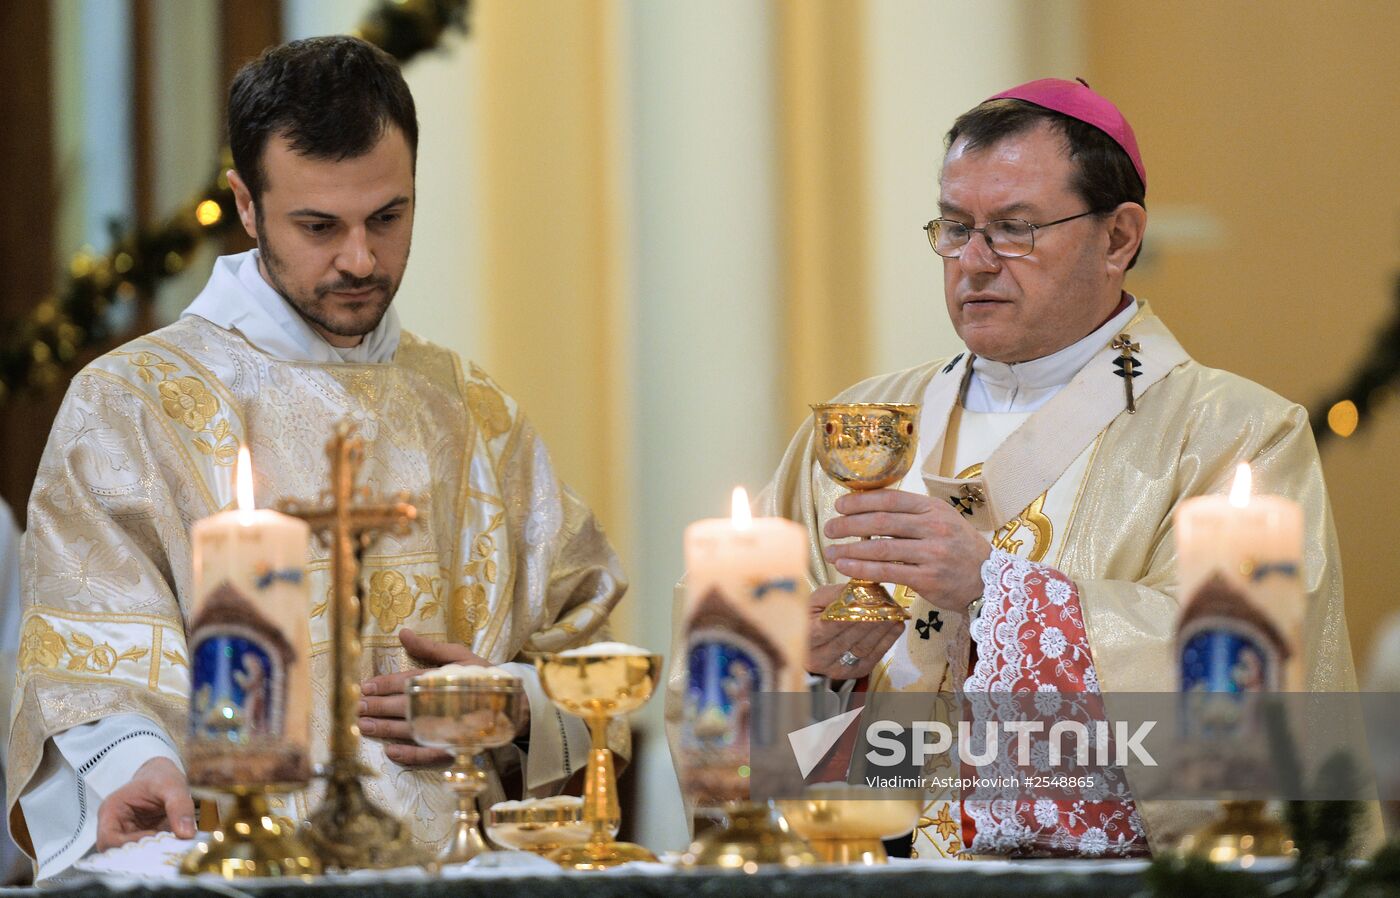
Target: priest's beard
{"x": 314, "y": 306}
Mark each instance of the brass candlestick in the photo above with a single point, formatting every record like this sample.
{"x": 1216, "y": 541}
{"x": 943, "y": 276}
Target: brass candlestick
{"x": 752, "y": 834}
{"x": 1244, "y": 832}
{"x": 250, "y": 841}
{"x": 347, "y": 830}
{"x": 865, "y": 446}
{"x": 465, "y": 715}
{"x": 599, "y": 688}
{"x": 1232, "y": 659}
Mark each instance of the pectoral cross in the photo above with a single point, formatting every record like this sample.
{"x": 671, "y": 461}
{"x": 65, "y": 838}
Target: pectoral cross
{"x": 347, "y": 829}
{"x": 1127, "y": 365}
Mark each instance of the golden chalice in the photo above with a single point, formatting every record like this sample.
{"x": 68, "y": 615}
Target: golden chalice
{"x": 465, "y": 710}
{"x": 847, "y": 825}
{"x": 865, "y": 446}
{"x": 598, "y": 683}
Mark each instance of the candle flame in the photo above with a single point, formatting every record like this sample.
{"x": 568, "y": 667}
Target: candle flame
{"x": 1239, "y": 493}
{"x": 243, "y": 480}
{"x": 743, "y": 518}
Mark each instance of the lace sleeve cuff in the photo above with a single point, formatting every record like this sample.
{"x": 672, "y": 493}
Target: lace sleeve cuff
{"x": 1030, "y": 631}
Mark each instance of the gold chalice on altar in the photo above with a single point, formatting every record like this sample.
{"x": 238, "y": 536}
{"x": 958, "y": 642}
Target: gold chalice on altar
{"x": 465, "y": 711}
{"x": 865, "y": 446}
{"x": 598, "y": 685}
{"x": 846, "y": 824}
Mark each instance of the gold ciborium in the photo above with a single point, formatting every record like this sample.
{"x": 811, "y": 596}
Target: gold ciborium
{"x": 846, "y": 825}
{"x": 865, "y": 446}
{"x": 598, "y": 685}
{"x": 465, "y": 711}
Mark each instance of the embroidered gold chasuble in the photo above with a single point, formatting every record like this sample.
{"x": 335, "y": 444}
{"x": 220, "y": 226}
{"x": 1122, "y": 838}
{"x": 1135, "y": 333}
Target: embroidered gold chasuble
{"x": 505, "y": 560}
{"x": 1190, "y": 429}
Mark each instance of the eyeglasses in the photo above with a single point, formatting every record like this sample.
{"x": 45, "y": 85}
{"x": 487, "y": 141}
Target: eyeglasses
{"x": 1009, "y": 238}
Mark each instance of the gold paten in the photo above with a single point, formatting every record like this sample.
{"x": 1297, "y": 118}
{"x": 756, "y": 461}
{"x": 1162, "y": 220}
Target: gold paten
{"x": 538, "y": 828}
{"x": 465, "y": 716}
{"x": 754, "y": 834}
{"x": 1244, "y": 833}
{"x": 845, "y": 830}
{"x": 599, "y": 688}
{"x": 347, "y": 830}
{"x": 251, "y": 842}
{"x": 865, "y": 446}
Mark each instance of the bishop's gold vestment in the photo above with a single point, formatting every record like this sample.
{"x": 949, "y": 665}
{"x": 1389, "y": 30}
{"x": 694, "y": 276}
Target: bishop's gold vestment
{"x": 1191, "y": 428}
{"x": 505, "y": 559}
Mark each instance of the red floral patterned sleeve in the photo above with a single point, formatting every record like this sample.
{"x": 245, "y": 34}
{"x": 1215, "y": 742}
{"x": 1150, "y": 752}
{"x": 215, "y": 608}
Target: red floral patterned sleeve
{"x": 1030, "y": 640}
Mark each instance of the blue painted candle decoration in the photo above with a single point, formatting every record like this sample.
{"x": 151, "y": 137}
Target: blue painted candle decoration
{"x": 745, "y": 632}
{"x": 1239, "y": 565}
{"x": 249, "y": 647}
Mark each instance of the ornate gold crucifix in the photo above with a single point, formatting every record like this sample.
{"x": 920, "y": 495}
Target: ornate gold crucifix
{"x": 346, "y": 829}
{"x": 1127, "y": 366}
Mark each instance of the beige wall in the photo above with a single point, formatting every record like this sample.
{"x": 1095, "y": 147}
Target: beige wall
{"x": 554, "y": 310}
{"x": 1269, "y": 133}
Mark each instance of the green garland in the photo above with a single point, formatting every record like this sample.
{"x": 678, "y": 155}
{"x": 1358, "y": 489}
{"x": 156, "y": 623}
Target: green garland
{"x": 1370, "y": 387}
{"x": 35, "y": 349}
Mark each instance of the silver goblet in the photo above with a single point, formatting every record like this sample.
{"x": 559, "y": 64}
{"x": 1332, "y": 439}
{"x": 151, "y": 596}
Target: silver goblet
{"x": 465, "y": 713}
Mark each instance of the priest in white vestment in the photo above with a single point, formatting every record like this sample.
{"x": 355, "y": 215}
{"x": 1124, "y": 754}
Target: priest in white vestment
{"x": 1032, "y": 541}
{"x": 283, "y": 343}
{"x": 9, "y": 647}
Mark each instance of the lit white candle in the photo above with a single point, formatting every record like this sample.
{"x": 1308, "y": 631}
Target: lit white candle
{"x": 249, "y": 646}
{"x": 744, "y": 632}
{"x": 759, "y": 566}
{"x": 1247, "y": 548}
